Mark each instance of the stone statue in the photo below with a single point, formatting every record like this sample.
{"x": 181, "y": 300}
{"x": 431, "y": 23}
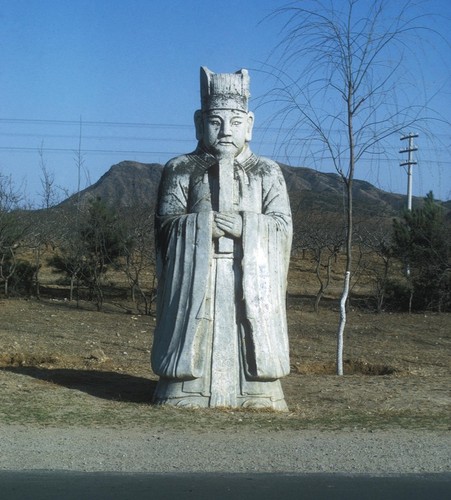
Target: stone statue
{"x": 223, "y": 238}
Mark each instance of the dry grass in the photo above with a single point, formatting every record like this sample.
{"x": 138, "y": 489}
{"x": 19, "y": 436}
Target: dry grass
{"x": 60, "y": 365}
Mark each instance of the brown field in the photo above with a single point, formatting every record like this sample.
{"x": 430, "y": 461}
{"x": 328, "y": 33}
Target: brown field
{"x": 63, "y": 365}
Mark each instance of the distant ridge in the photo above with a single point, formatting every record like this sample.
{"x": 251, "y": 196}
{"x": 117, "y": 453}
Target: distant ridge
{"x": 313, "y": 190}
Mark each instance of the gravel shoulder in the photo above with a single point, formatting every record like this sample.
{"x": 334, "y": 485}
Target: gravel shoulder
{"x": 141, "y": 450}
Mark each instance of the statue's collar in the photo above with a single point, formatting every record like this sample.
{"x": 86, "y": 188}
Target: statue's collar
{"x": 205, "y": 159}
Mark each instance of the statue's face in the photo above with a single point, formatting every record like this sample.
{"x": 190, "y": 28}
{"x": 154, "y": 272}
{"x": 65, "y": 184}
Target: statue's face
{"x": 226, "y": 131}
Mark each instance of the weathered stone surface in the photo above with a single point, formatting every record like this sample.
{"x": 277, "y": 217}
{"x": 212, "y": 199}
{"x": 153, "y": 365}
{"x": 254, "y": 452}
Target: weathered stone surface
{"x": 223, "y": 226}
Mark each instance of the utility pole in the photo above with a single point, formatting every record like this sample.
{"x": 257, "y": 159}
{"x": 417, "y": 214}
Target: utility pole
{"x": 410, "y": 149}
{"x": 409, "y": 163}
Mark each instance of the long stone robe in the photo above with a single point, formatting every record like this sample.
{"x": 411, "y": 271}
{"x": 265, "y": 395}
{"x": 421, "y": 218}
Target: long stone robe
{"x": 201, "y": 292}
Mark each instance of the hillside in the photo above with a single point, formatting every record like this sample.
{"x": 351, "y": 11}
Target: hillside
{"x": 126, "y": 184}
{"x": 129, "y": 184}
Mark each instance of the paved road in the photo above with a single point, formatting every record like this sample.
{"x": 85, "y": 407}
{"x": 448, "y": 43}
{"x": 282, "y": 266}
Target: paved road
{"x": 50, "y": 485}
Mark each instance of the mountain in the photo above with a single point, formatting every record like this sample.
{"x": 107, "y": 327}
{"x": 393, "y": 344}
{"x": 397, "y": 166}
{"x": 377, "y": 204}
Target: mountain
{"x": 126, "y": 184}
{"x": 312, "y": 190}
{"x": 129, "y": 183}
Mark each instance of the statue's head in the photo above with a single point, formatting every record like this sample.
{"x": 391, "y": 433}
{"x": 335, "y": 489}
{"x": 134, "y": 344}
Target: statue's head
{"x": 224, "y": 124}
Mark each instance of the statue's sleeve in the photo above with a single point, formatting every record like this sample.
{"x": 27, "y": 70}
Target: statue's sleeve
{"x": 183, "y": 244}
{"x": 266, "y": 252}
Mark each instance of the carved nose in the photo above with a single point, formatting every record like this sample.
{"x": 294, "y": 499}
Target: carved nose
{"x": 225, "y": 129}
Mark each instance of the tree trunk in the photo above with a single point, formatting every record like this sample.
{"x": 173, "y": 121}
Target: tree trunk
{"x": 320, "y": 292}
{"x": 36, "y": 274}
{"x": 342, "y": 324}
{"x": 348, "y": 180}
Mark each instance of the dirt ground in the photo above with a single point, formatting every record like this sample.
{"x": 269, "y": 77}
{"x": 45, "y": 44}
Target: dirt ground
{"x": 62, "y": 365}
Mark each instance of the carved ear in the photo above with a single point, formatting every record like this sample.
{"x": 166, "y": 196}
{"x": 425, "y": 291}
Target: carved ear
{"x": 250, "y": 125}
{"x": 199, "y": 124}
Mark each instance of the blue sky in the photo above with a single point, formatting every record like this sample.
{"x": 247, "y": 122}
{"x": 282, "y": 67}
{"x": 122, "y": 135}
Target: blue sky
{"x": 128, "y": 70}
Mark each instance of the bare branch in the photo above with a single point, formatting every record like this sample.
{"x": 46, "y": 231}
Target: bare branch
{"x": 339, "y": 74}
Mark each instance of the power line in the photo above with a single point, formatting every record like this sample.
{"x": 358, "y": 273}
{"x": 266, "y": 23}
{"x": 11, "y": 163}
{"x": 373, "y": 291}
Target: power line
{"x": 24, "y": 149}
{"x": 74, "y": 150}
{"x": 40, "y": 121}
{"x": 91, "y": 123}
{"x": 93, "y": 137}
{"x": 30, "y": 121}
{"x": 132, "y": 138}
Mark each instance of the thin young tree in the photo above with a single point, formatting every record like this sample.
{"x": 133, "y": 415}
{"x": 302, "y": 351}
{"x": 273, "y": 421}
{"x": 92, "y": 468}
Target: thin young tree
{"x": 339, "y": 77}
{"x": 104, "y": 243}
{"x": 43, "y": 230}
{"x": 12, "y": 229}
{"x": 139, "y": 265}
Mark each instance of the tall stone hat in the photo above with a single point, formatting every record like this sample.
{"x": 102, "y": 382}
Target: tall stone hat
{"x": 224, "y": 90}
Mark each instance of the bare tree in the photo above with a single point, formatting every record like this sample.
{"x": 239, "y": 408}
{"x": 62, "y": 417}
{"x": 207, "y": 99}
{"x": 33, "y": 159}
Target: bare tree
{"x": 43, "y": 231}
{"x": 339, "y": 79}
{"x": 69, "y": 258}
{"x": 51, "y": 193}
{"x": 47, "y": 180}
{"x": 79, "y": 160}
{"x": 12, "y": 229}
{"x": 377, "y": 262}
{"x": 140, "y": 256}
{"x": 322, "y": 236}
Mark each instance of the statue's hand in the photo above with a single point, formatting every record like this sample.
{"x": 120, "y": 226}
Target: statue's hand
{"x": 216, "y": 232}
{"x": 231, "y": 223}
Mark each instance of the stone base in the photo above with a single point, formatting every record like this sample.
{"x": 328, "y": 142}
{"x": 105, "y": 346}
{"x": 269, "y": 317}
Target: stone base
{"x": 172, "y": 393}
